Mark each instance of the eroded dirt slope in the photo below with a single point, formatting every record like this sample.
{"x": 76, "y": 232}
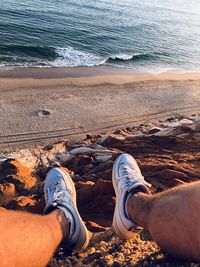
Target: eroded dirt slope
{"x": 168, "y": 153}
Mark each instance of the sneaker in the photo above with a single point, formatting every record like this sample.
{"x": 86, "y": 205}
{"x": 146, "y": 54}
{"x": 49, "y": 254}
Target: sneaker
{"x": 127, "y": 179}
{"x": 60, "y": 193}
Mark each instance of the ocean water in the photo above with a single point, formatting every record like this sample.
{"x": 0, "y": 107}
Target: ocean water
{"x": 146, "y": 36}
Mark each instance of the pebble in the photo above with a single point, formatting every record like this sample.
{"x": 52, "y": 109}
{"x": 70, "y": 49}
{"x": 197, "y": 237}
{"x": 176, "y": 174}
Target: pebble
{"x": 92, "y": 250}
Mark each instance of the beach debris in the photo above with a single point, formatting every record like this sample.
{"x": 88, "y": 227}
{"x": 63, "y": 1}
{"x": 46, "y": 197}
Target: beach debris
{"x": 43, "y": 113}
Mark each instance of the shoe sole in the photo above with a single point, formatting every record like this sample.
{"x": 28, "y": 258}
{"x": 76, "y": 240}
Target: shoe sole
{"x": 83, "y": 240}
{"x": 117, "y": 224}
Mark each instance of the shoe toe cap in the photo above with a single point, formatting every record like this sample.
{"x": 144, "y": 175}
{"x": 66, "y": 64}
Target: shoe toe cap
{"x": 53, "y": 175}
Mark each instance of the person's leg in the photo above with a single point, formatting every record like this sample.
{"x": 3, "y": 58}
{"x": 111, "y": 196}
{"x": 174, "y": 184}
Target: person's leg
{"x": 30, "y": 240}
{"x": 172, "y": 218}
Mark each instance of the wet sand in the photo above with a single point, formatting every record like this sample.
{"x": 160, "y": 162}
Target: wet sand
{"x": 47, "y": 105}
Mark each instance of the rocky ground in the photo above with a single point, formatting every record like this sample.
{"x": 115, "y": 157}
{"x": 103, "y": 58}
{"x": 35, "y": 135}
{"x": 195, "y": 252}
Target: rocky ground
{"x": 168, "y": 153}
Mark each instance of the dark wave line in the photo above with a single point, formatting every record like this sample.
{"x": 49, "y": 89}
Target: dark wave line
{"x": 43, "y": 52}
{"x": 135, "y": 57}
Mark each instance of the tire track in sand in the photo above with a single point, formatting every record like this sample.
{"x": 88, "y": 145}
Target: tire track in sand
{"x": 25, "y": 138}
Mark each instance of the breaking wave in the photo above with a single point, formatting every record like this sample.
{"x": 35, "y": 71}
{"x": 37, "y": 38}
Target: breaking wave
{"x": 30, "y": 56}
{"x": 127, "y": 57}
{"x": 70, "y": 57}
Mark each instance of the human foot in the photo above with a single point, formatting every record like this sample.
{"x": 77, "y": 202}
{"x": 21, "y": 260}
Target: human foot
{"x": 127, "y": 179}
{"x": 60, "y": 194}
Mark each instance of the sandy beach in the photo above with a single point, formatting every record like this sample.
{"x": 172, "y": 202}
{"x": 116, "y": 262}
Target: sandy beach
{"x": 43, "y": 105}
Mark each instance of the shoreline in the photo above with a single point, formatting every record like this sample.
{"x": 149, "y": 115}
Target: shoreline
{"x": 82, "y": 71}
{"x": 81, "y": 76}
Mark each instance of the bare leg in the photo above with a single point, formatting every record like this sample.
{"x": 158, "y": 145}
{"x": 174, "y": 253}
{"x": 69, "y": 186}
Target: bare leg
{"x": 172, "y": 218}
{"x": 30, "y": 240}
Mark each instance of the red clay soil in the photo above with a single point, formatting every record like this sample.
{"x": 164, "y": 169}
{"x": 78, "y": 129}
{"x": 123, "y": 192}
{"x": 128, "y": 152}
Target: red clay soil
{"x": 165, "y": 161}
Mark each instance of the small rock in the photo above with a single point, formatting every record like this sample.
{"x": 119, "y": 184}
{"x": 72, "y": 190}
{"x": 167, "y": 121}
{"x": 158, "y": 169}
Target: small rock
{"x": 154, "y": 130}
{"x": 92, "y": 250}
{"x": 63, "y": 158}
{"x": 103, "y": 157}
{"x": 102, "y": 243}
{"x": 81, "y": 150}
{"x": 7, "y": 189}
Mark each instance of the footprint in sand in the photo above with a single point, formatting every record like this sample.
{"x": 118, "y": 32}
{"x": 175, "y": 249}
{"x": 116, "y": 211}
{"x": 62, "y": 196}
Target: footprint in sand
{"x": 43, "y": 113}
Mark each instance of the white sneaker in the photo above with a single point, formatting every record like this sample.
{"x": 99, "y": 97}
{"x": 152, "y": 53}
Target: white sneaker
{"x": 126, "y": 178}
{"x": 60, "y": 193}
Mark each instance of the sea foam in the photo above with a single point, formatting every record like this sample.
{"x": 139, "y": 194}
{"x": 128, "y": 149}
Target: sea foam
{"x": 70, "y": 57}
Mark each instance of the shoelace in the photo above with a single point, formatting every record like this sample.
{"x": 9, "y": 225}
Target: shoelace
{"x": 55, "y": 194}
{"x": 128, "y": 174}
